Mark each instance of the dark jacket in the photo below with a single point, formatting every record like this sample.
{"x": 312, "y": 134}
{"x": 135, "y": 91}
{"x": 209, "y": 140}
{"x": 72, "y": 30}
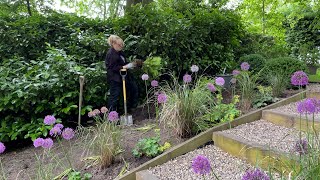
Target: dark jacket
{"x": 114, "y": 63}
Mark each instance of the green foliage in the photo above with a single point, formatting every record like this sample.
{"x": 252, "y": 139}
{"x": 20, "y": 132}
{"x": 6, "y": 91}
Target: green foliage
{"x": 102, "y": 141}
{"x": 219, "y": 113}
{"x": 247, "y": 82}
{"x": 84, "y": 39}
{"x": 287, "y": 65}
{"x": 49, "y": 85}
{"x": 256, "y": 61}
{"x": 185, "y": 103}
{"x": 278, "y": 80}
{"x": 149, "y": 147}
{"x": 303, "y": 37}
{"x": 202, "y": 36}
{"x": 76, "y": 175}
{"x": 152, "y": 66}
{"x": 264, "y": 97}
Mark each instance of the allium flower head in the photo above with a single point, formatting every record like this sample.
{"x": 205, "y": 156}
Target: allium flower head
{"x": 301, "y": 146}
{"x": 308, "y": 106}
{"x": 91, "y": 114}
{"x": 220, "y": 81}
{"x": 145, "y": 77}
{"x": 58, "y": 126}
{"x": 154, "y": 83}
{"x": 96, "y": 112}
{"x": 211, "y": 87}
{"x": 38, "y": 142}
{"x": 235, "y": 72}
{"x": 104, "y": 110}
{"x": 2, "y": 147}
{"x": 201, "y": 165}
{"x": 245, "y": 66}
{"x": 47, "y": 143}
{"x": 187, "y": 78}
{"x": 194, "y": 68}
{"x": 49, "y": 120}
{"x": 113, "y": 116}
{"x": 299, "y": 78}
{"x": 256, "y": 174}
{"x": 68, "y": 133}
{"x": 162, "y": 98}
{"x": 55, "y": 131}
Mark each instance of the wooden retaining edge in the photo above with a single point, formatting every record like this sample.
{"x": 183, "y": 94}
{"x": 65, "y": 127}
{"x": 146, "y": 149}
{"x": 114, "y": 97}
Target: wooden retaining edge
{"x": 255, "y": 154}
{"x": 205, "y": 137}
{"x": 289, "y": 121}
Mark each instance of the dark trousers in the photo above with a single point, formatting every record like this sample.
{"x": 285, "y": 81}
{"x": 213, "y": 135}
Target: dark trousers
{"x": 116, "y": 91}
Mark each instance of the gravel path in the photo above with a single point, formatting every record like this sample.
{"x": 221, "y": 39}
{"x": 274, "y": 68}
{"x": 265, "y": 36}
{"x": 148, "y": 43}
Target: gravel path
{"x": 224, "y": 165}
{"x": 291, "y": 109}
{"x": 267, "y": 134}
{"x": 314, "y": 87}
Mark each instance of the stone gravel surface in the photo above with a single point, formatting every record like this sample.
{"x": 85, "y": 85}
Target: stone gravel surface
{"x": 267, "y": 134}
{"x": 314, "y": 87}
{"x": 224, "y": 166}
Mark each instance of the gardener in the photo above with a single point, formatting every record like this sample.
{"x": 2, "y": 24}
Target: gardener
{"x": 115, "y": 60}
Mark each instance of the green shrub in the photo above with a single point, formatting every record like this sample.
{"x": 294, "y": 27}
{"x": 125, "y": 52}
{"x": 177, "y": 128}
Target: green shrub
{"x": 288, "y": 65}
{"x": 50, "y": 85}
{"x": 203, "y": 36}
{"x": 256, "y": 61}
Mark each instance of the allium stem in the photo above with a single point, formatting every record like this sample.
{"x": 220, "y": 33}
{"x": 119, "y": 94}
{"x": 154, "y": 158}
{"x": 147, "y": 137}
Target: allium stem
{"x": 145, "y": 83}
{"x": 66, "y": 154}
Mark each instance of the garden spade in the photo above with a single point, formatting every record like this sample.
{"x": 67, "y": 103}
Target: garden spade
{"x": 125, "y": 119}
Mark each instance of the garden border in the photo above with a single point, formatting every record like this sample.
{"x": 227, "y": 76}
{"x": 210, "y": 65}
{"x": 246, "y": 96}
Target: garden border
{"x": 206, "y": 136}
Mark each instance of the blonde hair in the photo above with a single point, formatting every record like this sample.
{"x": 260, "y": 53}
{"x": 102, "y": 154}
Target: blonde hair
{"x": 114, "y": 39}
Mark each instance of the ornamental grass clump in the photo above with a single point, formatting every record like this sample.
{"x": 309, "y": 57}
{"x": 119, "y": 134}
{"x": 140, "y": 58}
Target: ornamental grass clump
{"x": 182, "y": 104}
{"x": 247, "y": 83}
{"x": 102, "y": 140}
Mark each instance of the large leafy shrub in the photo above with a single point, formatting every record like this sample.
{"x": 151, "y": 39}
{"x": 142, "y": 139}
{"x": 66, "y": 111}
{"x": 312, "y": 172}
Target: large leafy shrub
{"x": 256, "y": 61}
{"x": 287, "y": 65}
{"x": 83, "y": 38}
{"x": 50, "y": 85}
{"x": 199, "y": 35}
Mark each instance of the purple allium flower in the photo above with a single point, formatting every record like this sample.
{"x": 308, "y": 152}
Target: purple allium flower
{"x": 67, "y": 133}
{"x": 235, "y": 72}
{"x": 301, "y": 146}
{"x": 59, "y": 126}
{"x": 2, "y": 147}
{"x": 47, "y": 143}
{"x": 162, "y": 98}
{"x": 91, "y": 114}
{"x": 113, "y": 116}
{"x": 308, "y": 106}
{"x": 256, "y": 174}
{"x": 233, "y": 80}
{"x": 104, "y": 110}
{"x": 49, "y": 120}
{"x": 299, "y": 78}
{"x": 154, "y": 83}
{"x": 145, "y": 77}
{"x": 245, "y": 66}
{"x": 220, "y": 81}
{"x": 201, "y": 165}
{"x": 187, "y": 78}
{"x": 38, "y": 142}
{"x": 55, "y": 131}
{"x": 194, "y": 68}
{"x": 211, "y": 87}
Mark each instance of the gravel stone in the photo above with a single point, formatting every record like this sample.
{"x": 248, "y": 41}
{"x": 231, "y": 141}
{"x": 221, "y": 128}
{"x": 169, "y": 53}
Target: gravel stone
{"x": 314, "y": 87}
{"x": 267, "y": 134}
{"x": 224, "y": 165}
{"x": 291, "y": 109}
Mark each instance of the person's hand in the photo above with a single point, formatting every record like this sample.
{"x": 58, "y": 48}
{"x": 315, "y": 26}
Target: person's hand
{"x": 129, "y": 66}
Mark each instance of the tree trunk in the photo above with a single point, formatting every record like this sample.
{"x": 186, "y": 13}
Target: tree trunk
{"x": 29, "y": 8}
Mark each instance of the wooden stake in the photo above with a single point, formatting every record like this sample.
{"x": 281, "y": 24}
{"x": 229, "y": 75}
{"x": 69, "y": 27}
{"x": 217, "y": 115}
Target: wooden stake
{"x": 81, "y": 80}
